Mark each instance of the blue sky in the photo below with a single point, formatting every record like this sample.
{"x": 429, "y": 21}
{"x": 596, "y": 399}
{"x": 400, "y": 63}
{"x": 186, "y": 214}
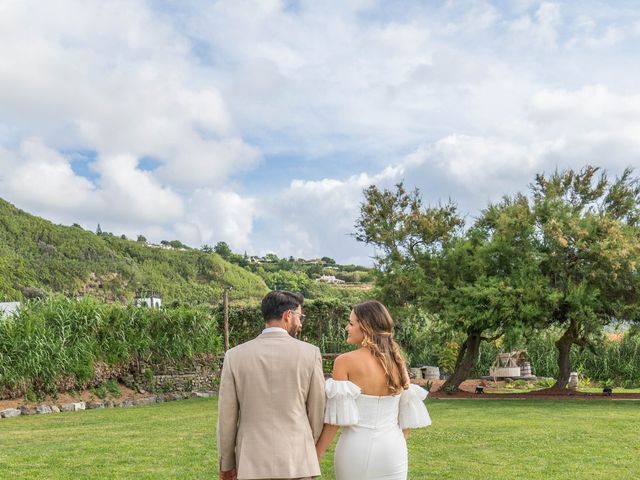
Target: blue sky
{"x": 260, "y": 122}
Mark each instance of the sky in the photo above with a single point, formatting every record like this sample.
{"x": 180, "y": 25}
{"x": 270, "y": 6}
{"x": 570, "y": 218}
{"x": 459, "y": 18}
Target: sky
{"x": 260, "y": 122}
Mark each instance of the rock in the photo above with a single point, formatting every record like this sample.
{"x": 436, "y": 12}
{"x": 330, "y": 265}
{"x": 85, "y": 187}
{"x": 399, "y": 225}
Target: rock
{"x": 43, "y": 409}
{"x": 127, "y": 403}
{"x": 10, "y": 412}
{"x": 55, "y": 409}
{"x": 94, "y": 405}
{"x": 27, "y": 410}
{"x": 147, "y": 400}
{"x": 73, "y": 407}
{"x": 202, "y": 394}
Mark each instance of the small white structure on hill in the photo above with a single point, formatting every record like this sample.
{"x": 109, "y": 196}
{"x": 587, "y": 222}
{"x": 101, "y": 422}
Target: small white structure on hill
{"x": 8, "y": 308}
{"x": 150, "y": 298}
{"x": 330, "y": 279}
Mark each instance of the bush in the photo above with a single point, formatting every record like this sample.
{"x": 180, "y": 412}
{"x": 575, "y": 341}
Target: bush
{"x": 113, "y": 388}
{"x": 545, "y": 383}
{"x": 69, "y": 344}
{"x": 100, "y": 392}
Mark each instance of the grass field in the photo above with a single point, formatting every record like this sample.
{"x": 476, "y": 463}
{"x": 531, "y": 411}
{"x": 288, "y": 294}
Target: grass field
{"x": 470, "y": 439}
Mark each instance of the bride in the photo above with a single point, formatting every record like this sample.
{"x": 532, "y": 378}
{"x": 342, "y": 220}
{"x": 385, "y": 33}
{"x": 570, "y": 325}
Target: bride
{"x": 371, "y": 398}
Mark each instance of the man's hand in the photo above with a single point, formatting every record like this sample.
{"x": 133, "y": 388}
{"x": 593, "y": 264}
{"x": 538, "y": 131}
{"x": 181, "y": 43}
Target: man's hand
{"x": 229, "y": 475}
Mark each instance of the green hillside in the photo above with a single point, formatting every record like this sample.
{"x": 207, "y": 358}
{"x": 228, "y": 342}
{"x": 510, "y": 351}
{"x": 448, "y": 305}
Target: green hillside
{"x": 39, "y": 257}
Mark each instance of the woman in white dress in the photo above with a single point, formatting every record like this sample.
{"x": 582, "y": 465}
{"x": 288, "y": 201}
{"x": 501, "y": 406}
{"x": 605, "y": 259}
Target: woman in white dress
{"x": 371, "y": 398}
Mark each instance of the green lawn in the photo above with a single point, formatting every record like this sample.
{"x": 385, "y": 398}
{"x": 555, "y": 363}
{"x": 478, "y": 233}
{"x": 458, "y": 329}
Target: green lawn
{"x": 470, "y": 439}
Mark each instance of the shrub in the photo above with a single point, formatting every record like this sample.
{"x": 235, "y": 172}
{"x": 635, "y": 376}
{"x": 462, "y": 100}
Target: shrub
{"x": 113, "y": 388}
{"x": 521, "y": 384}
{"x": 100, "y": 392}
{"x": 545, "y": 382}
{"x": 74, "y": 344}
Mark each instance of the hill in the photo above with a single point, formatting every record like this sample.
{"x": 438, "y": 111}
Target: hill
{"x": 38, "y": 257}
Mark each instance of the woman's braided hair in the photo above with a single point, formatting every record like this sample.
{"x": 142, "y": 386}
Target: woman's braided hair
{"x": 377, "y": 327}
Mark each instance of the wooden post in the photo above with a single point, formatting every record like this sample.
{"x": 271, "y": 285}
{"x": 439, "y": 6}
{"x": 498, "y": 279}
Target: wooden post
{"x": 225, "y": 306}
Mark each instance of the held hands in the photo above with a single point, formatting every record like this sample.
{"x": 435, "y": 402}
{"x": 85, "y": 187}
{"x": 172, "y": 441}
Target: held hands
{"x": 229, "y": 475}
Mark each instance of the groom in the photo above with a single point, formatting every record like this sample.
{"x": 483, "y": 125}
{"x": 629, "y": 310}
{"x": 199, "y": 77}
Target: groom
{"x": 271, "y": 399}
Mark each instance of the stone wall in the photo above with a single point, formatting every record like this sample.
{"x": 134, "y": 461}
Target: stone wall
{"x": 202, "y": 375}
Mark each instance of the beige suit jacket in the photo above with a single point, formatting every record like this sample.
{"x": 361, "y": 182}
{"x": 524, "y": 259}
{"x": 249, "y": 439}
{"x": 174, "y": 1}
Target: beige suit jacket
{"x": 271, "y": 408}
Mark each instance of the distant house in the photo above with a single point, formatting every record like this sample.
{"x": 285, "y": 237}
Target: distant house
{"x": 150, "y": 298}
{"x": 330, "y": 279}
{"x": 8, "y": 308}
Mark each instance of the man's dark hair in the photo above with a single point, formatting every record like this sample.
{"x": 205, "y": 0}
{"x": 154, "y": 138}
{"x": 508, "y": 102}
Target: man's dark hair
{"x": 275, "y": 303}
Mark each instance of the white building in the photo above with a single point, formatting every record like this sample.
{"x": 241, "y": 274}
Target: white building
{"x": 330, "y": 279}
{"x": 151, "y": 299}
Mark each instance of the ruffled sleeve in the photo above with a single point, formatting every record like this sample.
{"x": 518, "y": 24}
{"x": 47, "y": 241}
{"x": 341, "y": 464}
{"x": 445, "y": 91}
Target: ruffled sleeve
{"x": 412, "y": 412}
{"x": 341, "y": 406}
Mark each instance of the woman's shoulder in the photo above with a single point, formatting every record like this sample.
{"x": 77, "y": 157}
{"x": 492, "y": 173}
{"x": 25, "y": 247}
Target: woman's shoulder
{"x": 351, "y": 358}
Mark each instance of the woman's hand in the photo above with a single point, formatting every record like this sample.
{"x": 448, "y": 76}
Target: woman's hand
{"x": 229, "y": 475}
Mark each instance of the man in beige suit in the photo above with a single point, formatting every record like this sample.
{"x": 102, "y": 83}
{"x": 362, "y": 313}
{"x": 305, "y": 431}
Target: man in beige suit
{"x": 271, "y": 399}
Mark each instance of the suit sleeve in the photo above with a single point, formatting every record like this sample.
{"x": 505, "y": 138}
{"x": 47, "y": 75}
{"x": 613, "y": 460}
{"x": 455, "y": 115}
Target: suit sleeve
{"x": 316, "y": 398}
{"x": 228, "y": 410}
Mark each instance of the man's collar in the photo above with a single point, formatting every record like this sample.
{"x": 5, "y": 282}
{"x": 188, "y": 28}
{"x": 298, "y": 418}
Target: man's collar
{"x": 274, "y": 330}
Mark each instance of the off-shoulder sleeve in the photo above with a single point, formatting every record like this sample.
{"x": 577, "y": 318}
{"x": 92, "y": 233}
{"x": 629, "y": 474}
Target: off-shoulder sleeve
{"x": 413, "y": 413}
{"x": 341, "y": 408}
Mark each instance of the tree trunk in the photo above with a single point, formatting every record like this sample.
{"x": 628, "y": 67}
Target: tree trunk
{"x": 467, "y": 357}
{"x": 564, "y": 344}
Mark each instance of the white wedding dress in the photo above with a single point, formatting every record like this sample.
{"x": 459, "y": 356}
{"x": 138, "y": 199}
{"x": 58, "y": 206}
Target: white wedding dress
{"x": 371, "y": 445}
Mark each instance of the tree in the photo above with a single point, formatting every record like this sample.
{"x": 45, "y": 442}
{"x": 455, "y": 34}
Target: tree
{"x": 284, "y": 280}
{"x": 480, "y": 281}
{"x": 588, "y": 229}
{"x": 178, "y": 244}
{"x": 98, "y": 230}
{"x": 141, "y": 239}
{"x": 222, "y": 249}
{"x": 271, "y": 258}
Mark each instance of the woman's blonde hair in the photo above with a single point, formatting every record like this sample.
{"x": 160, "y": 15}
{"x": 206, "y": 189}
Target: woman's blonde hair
{"x": 377, "y": 326}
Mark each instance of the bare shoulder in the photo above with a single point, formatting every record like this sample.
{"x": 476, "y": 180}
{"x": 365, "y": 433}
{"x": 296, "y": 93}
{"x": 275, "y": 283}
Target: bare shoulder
{"x": 345, "y": 359}
{"x": 344, "y": 363}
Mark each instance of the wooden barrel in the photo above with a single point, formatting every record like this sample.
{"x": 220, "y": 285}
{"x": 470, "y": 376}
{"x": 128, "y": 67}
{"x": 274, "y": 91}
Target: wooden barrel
{"x": 431, "y": 373}
{"x": 525, "y": 370}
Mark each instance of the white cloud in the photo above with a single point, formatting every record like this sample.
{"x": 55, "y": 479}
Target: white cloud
{"x": 90, "y": 75}
{"x": 316, "y": 218}
{"x": 541, "y": 28}
{"x": 135, "y": 195}
{"x": 40, "y": 178}
{"x": 222, "y": 215}
{"x": 463, "y": 99}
